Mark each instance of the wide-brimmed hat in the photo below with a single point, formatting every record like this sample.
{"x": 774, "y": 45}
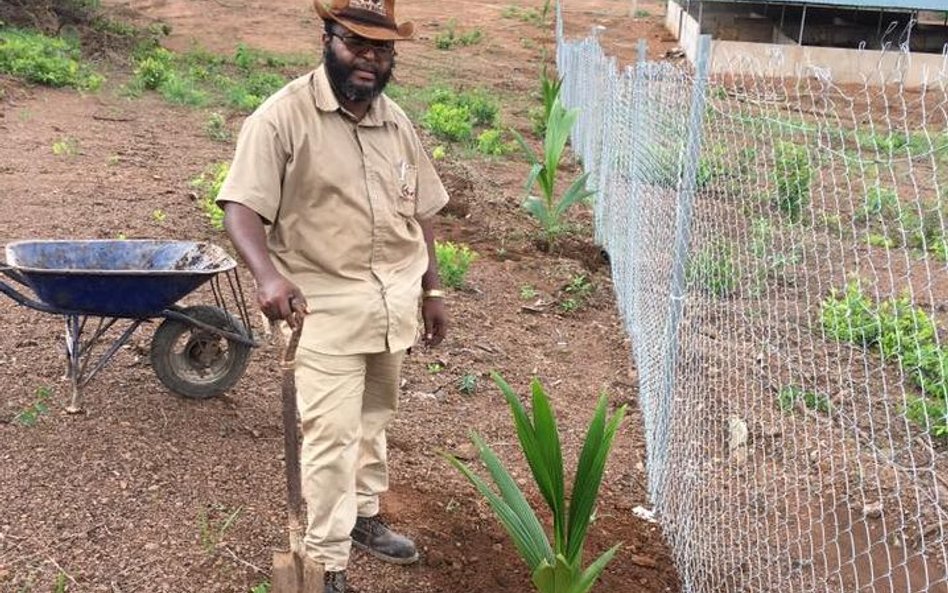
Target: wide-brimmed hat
{"x": 372, "y": 19}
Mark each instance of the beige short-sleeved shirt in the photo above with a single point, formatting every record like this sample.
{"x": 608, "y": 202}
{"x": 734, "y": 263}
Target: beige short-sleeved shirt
{"x": 343, "y": 200}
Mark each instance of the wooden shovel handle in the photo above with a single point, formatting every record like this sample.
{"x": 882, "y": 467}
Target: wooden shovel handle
{"x": 294, "y": 485}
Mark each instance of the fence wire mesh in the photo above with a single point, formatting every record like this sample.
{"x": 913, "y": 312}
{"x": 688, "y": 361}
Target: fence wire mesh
{"x": 778, "y": 248}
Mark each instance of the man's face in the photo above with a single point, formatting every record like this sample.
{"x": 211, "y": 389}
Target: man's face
{"x": 358, "y": 68}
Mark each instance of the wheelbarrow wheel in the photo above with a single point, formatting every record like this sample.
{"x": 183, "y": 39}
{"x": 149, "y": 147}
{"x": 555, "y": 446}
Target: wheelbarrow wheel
{"x": 195, "y": 362}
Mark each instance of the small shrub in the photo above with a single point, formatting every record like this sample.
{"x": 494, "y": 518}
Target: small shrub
{"x": 451, "y": 122}
{"x": 792, "y": 176}
{"x": 216, "y": 128}
{"x": 528, "y": 292}
{"x": 154, "y": 69}
{"x": 491, "y": 143}
{"x": 454, "y": 261}
{"x": 850, "y": 316}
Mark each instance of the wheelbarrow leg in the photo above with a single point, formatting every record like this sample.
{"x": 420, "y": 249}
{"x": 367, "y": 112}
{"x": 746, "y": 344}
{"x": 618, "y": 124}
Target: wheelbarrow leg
{"x": 73, "y": 351}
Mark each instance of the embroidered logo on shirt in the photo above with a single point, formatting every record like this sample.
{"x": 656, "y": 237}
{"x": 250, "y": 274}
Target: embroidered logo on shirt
{"x": 370, "y": 5}
{"x": 407, "y": 180}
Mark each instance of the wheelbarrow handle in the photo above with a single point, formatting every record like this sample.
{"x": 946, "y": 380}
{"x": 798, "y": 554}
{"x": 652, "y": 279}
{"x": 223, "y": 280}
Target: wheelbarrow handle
{"x": 18, "y": 296}
{"x": 294, "y": 483}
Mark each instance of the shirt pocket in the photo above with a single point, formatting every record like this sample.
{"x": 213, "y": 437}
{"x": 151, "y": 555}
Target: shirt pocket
{"x": 406, "y": 194}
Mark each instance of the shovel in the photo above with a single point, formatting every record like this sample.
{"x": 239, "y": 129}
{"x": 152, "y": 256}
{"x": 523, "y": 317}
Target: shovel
{"x": 293, "y": 571}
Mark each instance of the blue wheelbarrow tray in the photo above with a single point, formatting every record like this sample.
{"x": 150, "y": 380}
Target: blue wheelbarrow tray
{"x": 115, "y": 278}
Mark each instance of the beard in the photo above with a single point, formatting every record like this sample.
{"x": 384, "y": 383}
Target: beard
{"x": 339, "y": 76}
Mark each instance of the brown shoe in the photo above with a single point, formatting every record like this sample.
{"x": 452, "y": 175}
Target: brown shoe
{"x": 335, "y": 581}
{"x": 373, "y": 535}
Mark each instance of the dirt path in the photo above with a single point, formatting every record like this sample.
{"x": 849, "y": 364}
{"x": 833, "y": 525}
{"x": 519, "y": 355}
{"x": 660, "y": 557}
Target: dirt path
{"x": 150, "y": 492}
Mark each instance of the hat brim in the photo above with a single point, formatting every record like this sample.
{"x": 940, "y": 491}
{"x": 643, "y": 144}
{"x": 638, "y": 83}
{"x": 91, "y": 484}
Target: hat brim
{"x": 402, "y": 32}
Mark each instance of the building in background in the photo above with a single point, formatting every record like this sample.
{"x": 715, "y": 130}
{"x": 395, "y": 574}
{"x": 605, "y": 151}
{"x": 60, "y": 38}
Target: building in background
{"x": 853, "y": 41}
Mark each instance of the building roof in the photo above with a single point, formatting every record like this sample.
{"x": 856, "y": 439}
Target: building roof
{"x": 937, "y": 5}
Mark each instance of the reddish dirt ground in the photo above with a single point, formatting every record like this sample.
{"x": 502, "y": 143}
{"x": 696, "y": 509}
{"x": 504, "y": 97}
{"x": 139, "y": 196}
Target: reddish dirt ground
{"x": 151, "y": 492}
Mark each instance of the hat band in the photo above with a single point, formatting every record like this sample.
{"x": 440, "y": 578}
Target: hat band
{"x": 367, "y": 17}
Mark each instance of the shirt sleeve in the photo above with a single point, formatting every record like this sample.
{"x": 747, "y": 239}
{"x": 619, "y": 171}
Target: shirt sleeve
{"x": 255, "y": 177}
{"x": 432, "y": 196}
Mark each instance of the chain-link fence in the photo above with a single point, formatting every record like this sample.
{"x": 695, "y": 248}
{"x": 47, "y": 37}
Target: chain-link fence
{"x": 779, "y": 247}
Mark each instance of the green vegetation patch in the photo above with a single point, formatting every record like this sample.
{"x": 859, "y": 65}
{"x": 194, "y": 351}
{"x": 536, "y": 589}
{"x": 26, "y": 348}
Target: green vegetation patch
{"x": 470, "y": 118}
{"x": 199, "y": 78}
{"x": 900, "y": 332}
{"x": 50, "y": 61}
{"x": 208, "y": 184}
{"x": 451, "y": 37}
{"x": 454, "y": 261}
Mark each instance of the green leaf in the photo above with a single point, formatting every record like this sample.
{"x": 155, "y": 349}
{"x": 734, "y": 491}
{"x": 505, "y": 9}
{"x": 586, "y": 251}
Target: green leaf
{"x": 592, "y": 462}
{"x": 537, "y": 208}
{"x": 577, "y": 192}
{"x": 511, "y": 508}
{"x": 527, "y": 151}
{"x": 592, "y": 572}
{"x": 549, "y": 463}
{"x": 558, "y": 578}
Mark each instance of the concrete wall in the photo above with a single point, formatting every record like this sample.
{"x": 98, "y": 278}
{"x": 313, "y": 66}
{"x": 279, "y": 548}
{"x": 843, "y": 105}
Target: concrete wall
{"x": 845, "y": 66}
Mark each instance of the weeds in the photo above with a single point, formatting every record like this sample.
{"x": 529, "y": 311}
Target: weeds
{"x": 901, "y": 332}
{"x": 158, "y": 215}
{"x": 577, "y": 291}
{"x": 712, "y": 270}
{"x": 61, "y": 584}
{"x": 40, "y": 407}
{"x": 209, "y": 185}
{"x": 454, "y": 261}
{"x": 467, "y": 384}
{"x": 197, "y": 78}
{"x": 450, "y": 38}
{"x": 434, "y": 368}
{"x": 789, "y": 396}
{"x": 263, "y": 587}
{"x": 45, "y": 60}
{"x": 216, "y": 128}
{"x": 68, "y": 147}
{"x": 451, "y": 122}
{"x": 528, "y": 292}
{"x": 792, "y": 177}
{"x": 492, "y": 143}
{"x": 212, "y": 530}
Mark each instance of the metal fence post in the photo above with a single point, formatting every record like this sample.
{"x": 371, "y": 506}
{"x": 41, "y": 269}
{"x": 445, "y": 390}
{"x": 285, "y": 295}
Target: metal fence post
{"x": 683, "y": 215}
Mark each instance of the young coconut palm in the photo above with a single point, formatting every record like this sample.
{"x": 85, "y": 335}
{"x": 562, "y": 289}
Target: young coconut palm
{"x": 546, "y": 208}
{"x": 556, "y": 567}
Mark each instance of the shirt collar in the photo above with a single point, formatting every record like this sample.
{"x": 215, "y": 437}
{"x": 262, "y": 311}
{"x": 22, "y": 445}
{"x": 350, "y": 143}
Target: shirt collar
{"x": 379, "y": 111}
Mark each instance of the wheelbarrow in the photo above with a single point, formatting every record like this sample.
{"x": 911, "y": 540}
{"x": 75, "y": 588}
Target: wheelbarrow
{"x": 198, "y": 351}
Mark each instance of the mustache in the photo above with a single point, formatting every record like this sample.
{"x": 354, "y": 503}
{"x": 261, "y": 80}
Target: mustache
{"x": 366, "y": 66}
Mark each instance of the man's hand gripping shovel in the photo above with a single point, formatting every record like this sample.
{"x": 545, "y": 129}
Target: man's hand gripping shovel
{"x": 293, "y": 571}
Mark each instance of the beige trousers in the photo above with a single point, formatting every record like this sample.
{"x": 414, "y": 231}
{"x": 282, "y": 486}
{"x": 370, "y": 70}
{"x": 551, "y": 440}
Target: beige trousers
{"x": 345, "y": 404}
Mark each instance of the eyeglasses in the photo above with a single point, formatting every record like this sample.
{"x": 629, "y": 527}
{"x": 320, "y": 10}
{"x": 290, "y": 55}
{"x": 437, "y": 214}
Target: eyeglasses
{"x": 360, "y": 45}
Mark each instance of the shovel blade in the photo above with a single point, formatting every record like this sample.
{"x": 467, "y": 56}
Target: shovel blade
{"x": 293, "y": 573}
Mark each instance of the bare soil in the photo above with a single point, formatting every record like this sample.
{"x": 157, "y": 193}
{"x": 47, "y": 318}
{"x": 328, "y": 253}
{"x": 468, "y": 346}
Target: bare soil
{"x": 147, "y": 491}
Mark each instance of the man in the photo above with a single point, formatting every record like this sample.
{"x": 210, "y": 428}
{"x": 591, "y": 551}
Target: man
{"x": 336, "y": 171}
